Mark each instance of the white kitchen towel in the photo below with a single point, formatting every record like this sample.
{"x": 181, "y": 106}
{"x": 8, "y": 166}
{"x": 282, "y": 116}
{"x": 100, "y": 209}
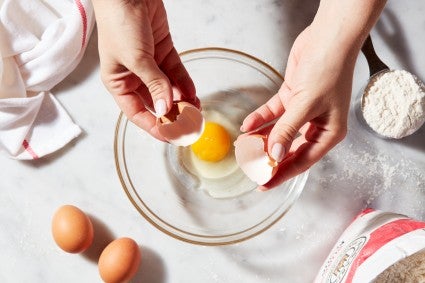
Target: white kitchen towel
{"x": 41, "y": 42}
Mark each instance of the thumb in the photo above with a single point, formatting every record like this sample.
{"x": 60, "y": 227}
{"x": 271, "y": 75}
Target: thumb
{"x": 157, "y": 83}
{"x": 285, "y": 130}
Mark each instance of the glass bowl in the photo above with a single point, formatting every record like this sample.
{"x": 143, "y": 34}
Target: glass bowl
{"x": 171, "y": 196}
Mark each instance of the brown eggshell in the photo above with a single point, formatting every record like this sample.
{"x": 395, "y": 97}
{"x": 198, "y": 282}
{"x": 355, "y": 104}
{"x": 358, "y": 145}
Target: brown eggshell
{"x": 119, "y": 261}
{"x": 182, "y": 125}
{"x": 72, "y": 229}
{"x": 252, "y": 157}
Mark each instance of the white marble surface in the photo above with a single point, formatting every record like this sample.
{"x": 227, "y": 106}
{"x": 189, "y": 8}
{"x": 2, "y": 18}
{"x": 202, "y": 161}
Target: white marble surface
{"x": 362, "y": 171}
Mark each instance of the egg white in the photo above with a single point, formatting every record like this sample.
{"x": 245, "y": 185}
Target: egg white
{"x": 224, "y": 167}
{"x": 224, "y": 178}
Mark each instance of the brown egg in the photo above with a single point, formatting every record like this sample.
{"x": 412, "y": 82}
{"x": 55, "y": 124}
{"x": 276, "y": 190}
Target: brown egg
{"x": 182, "y": 125}
{"x": 72, "y": 229}
{"x": 252, "y": 157}
{"x": 119, "y": 261}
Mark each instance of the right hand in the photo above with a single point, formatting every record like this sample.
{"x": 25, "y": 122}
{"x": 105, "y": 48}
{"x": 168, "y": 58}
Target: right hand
{"x": 311, "y": 107}
{"x": 139, "y": 65}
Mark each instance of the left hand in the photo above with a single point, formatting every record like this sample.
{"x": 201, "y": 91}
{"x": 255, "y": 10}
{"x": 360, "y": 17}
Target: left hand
{"x": 139, "y": 65}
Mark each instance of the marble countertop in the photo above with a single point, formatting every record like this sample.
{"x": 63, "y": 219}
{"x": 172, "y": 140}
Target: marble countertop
{"x": 362, "y": 171}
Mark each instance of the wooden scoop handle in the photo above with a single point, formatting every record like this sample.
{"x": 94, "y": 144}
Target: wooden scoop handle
{"x": 375, "y": 64}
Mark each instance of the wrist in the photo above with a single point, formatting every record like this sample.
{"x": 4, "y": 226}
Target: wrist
{"x": 344, "y": 25}
{"x": 120, "y": 11}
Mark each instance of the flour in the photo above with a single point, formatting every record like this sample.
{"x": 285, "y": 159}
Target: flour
{"x": 372, "y": 173}
{"x": 409, "y": 269}
{"x": 394, "y": 104}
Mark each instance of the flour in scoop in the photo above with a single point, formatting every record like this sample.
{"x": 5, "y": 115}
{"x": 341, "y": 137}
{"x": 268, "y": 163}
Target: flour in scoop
{"x": 394, "y": 104}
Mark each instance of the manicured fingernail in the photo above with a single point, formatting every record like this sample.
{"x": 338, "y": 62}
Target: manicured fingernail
{"x": 262, "y": 188}
{"x": 242, "y": 129}
{"x": 278, "y": 151}
{"x": 160, "y": 108}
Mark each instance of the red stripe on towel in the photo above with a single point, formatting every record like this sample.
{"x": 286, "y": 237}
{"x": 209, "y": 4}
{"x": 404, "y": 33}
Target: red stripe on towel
{"x": 83, "y": 14}
{"x": 29, "y": 149}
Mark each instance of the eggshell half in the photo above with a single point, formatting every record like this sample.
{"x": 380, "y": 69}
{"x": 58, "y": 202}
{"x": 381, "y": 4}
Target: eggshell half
{"x": 119, "y": 261}
{"x": 183, "y": 125}
{"x": 251, "y": 156}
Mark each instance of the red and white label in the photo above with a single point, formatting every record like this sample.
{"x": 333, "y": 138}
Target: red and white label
{"x": 374, "y": 241}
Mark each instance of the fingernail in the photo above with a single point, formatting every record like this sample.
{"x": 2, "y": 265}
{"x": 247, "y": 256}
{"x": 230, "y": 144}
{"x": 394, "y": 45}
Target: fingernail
{"x": 242, "y": 128}
{"x": 160, "y": 108}
{"x": 278, "y": 151}
{"x": 262, "y": 188}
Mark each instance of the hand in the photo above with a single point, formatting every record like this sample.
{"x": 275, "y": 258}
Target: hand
{"x": 139, "y": 65}
{"x": 313, "y": 102}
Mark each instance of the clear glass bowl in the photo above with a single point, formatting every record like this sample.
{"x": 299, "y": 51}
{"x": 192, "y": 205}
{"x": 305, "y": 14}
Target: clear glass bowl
{"x": 168, "y": 195}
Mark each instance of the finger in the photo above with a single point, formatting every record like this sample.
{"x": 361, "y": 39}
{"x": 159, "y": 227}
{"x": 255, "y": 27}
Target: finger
{"x": 156, "y": 82}
{"x": 134, "y": 109}
{"x": 264, "y": 114}
{"x": 308, "y": 132}
{"x": 143, "y": 92}
{"x": 163, "y": 48}
{"x": 299, "y": 112}
{"x": 147, "y": 121}
{"x": 292, "y": 166}
{"x": 158, "y": 20}
{"x": 178, "y": 75}
{"x": 170, "y": 63}
{"x": 303, "y": 130}
{"x": 307, "y": 154}
{"x": 305, "y": 151}
{"x": 118, "y": 80}
{"x": 300, "y": 139}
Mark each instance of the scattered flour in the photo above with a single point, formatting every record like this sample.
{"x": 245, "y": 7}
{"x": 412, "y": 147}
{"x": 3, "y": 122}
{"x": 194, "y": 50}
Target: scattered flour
{"x": 369, "y": 176}
{"x": 394, "y": 104}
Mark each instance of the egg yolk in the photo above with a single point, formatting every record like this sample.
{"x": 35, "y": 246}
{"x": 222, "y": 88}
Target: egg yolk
{"x": 214, "y": 143}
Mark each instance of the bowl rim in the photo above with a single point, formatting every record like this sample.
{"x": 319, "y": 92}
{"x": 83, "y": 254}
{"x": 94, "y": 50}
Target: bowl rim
{"x": 118, "y": 126}
{"x": 237, "y": 52}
